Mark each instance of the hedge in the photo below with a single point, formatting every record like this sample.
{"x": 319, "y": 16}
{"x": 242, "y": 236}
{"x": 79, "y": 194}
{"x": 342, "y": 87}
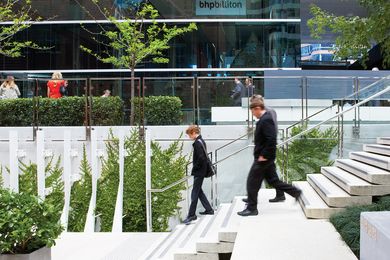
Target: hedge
{"x": 68, "y": 111}
{"x": 347, "y": 222}
{"x": 160, "y": 110}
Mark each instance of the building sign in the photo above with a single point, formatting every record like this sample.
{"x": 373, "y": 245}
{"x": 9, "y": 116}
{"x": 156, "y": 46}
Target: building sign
{"x": 220, "y": 7}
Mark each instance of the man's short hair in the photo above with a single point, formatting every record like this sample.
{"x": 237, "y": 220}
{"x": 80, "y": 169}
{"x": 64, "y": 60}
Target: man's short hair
{"x": 193, "y": 129}
{"x": 256, "y": 103}
{"x": 256, "y": 97}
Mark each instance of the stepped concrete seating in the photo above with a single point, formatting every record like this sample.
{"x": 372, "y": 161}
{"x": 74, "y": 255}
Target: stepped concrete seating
{"x": 312, "y": 204}
{"x": 349, "y": 182}
{"x": 332, "y": 194}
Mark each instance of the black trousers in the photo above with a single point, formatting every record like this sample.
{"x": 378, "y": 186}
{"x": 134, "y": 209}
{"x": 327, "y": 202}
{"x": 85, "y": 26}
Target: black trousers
{"x": 197, "y": 193}
{"x": 265, "y": 170}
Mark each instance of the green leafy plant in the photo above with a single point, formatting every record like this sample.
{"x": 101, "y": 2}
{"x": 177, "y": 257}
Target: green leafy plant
{"x": 80, "y": 196}
{"x": 347, "y": 222}
{"x": 108, "y": 184}
{"x": 308, "y": 153}
{"x": 132, "y": 40}
{"x": 160, "y": 110}
{"x": 53, "y": 182}
{"x": 168, "y": 166}
{"x": 26, "y": 224}
{"x": 68, "y": 111}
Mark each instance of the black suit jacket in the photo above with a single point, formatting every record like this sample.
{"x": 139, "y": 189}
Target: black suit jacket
{"x": 265, "y": 137}
{"x": 199, "y": 160}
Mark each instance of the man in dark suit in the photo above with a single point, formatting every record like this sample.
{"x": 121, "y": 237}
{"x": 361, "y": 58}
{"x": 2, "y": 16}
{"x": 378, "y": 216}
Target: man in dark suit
{"x": 263, "y": 166}
{"x": 199, "y": 169}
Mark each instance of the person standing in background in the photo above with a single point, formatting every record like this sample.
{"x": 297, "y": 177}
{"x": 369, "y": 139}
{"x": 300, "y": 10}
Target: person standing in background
{"x": 237, "y": 92}
{"x": 9, "y": 90}
{"x": 54, "y": 86}
{"x": 249, "y": 88}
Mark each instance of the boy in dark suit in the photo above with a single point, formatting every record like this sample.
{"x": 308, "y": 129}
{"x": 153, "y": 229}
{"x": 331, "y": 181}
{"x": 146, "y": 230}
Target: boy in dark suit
{"x": 199, "y": 169}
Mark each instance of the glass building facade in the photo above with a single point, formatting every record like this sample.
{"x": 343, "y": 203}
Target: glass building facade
{"x": 231, "y": 34}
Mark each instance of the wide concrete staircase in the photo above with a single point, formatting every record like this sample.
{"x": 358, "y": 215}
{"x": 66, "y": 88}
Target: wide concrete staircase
{"x": 352, "y": 181}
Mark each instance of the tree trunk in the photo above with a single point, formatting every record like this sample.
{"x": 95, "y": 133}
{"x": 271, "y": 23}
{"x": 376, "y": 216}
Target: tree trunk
{"x": 132, "y": 112}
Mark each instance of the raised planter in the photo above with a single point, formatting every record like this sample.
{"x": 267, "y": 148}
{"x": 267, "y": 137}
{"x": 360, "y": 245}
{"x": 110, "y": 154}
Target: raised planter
{"x": 40, "y": 254}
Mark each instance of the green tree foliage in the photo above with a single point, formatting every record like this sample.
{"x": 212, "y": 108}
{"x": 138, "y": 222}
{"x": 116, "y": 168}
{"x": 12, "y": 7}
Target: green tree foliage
{"x": 81, "y": 193}
{"x": 26, "y": 224}
{"x": 168, "y": 166}
{"x": 160, "y": 110}
{"x": 355, "y": 35}
{"x": 347, "y": 222}
{"x": 308, "y": 153}
{"x": 18, "y": 15}
{"x": 134, "y": 40}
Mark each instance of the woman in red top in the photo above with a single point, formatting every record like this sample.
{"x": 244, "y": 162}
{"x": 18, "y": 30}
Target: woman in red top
{"x": 54, "y": 85}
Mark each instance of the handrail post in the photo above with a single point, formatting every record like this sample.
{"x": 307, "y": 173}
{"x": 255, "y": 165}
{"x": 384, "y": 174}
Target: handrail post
{"x": 148, "y": 182}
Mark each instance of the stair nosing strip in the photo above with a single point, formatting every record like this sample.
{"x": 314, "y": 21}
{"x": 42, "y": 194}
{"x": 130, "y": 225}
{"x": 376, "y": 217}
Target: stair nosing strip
{"x": 370, "y": 158}
{"x": 342, "y": 179}
{"x": 353, "y": 167}
{"x": 161, "y": 243}
{"x": 185, "y": 240}
{"x": 207, "y": 228}
{"x": 171, "y": 243}
{"x": 322, "y": 188}
{"x": 375, "y": 146}
{"x": 229, "y": 214}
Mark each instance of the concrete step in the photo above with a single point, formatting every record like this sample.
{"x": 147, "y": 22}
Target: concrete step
{"x": 372, "y": 159}
{"x": 367, "y": 172}
{"x": 332, "y": 194}
{"x": 352, "y": 184}
{"x": 231, "y": 223}
{"x": 312, "y": 204}
{"x": 159, "y": 249}
{"x": 209, "y": 241}
{"x": 377, "y": 148}
{"x": 290, "y": 239}
{"x": 186, "y": 247}
{"x": 383, "y": 140}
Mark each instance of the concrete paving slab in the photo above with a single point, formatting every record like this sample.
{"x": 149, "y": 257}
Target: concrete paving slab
{"x": 289, "y": 239}
{"x": 377, "y": 160}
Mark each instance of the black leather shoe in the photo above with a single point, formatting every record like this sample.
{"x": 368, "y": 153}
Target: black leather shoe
{"x": 247, "y": 212}
{"x": 188, "y": 220}
{"x": 278, "y": 199}
{"x": 297, "y": 195}
{"x": 207, "y": 212}
{"x": 245, "y": 200}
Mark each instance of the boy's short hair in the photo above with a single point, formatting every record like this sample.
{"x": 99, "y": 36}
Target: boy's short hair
{"x": 256, "y": 97}
{"x": 257, "y": 103}
{"x": 193, "y": 129}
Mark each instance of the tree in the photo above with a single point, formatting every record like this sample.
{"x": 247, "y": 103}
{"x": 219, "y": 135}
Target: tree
{"x": 16, "y": 16}
{"x": 133, "y": 40}
{"x": 356, "y": 35}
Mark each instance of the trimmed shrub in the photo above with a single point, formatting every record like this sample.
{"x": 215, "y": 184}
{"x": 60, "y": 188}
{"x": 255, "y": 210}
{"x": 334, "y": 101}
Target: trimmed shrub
{"x": 67, "y": 111}
{"x": 347, "y": 222}
{"x": 160, "y": 110}
{"x": 26, "y": 224}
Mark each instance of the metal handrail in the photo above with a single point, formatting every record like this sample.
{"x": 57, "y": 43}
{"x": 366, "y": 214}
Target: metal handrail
{"x": 387, "y": 89}
{"x": 170, "y": 185}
